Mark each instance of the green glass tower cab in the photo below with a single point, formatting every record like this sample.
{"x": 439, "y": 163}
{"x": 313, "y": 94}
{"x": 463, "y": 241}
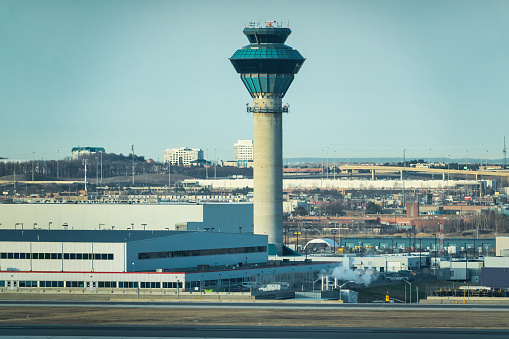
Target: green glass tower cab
{"x": 267, "y": 68}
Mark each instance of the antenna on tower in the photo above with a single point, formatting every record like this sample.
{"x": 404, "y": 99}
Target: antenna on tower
{"x": 505, "y": 152}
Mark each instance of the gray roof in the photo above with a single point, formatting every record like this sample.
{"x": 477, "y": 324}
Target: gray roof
{"x": 111, "y": 236}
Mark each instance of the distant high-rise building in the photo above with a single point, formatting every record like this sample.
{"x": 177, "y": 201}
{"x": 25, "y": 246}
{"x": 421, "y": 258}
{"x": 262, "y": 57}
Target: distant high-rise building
{"x": 183, "y": 156}
{"x": 243, "y": 152}
{"x": 77, "y": 152}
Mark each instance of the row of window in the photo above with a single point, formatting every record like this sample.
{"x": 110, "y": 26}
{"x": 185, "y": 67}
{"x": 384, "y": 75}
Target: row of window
{"x": 267, "y": 53}
{"x": 100, "y": 284}
{"x": 202, "y": 252}
{"x": 57, "y": 256}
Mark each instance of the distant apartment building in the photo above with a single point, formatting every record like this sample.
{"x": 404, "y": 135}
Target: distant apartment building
{"x": 183, "y": 156}
{"x": 243, "y": 153}
{"x": 77, "y": 152}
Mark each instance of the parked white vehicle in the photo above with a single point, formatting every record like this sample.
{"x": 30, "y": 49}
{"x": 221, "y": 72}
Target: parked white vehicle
{"x": 395, "y": 277}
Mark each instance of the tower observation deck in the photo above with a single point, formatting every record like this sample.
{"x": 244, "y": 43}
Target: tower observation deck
{"x": 267, "y": 68}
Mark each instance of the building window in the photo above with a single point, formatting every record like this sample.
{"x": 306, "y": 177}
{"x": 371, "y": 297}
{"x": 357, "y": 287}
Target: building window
{"x": 58, "y": 256}
{"x": 127, "y": 284}
{"x": 201, "y": 252}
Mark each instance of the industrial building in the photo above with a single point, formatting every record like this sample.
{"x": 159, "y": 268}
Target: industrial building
{"x": 126, "y": 251}
{"x": 107, "y": 259}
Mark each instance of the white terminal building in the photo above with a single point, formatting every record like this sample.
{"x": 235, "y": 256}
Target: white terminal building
{"x": 183, "y": 156}
{"x": 243, "y": 153}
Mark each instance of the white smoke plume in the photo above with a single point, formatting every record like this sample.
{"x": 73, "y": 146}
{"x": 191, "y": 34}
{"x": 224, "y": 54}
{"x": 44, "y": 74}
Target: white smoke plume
{"x": 344, "y": 273}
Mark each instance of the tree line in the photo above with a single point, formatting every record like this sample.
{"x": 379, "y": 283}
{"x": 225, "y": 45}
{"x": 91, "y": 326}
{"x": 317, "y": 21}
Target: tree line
{"x": 109, "y": 165}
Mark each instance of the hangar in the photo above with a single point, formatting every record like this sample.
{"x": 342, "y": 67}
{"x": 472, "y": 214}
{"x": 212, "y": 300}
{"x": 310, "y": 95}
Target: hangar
{"x": 118, "y": 259}
{"x": 126, "y": 251}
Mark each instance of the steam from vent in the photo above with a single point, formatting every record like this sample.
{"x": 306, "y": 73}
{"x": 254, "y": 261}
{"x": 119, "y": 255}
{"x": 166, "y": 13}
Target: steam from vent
{"x": 344, "y": 273}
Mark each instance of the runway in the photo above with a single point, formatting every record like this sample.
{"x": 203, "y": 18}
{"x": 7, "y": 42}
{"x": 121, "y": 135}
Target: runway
{"x": 68, "y": 331}
{"x": 84, "y": 319}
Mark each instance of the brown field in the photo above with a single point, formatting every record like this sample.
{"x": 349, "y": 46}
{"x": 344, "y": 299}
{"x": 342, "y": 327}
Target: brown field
{"x": 254, "y": 317}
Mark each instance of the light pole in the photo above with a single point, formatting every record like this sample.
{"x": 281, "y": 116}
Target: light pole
{"x": 334, "y": 240}
{"x": 429, "y": 163}
{"x": 297, "y": 245}
{"x": 132, "y": 154}
{"x": 403, "y": 175}
{"x": 327, "y": 163}
{"x": 334, "y": 165}
{"x": 435, "y": 250}
{"x": 340, "y": 287}
{"x": 322, "y": 163}
{"x": 215, "y": 164}
{"x": 206, "y": 168}
{"x": 101, "y": 167}
{"x": 410, "y": 290}
{"x": 448, "y": 164}
{"x": 480, "y": 163}
{"x": 96, "y": 172}
{"x": 33, "y": 161}
{"x": 169, "y": 173}
{"x": 57, "y": 161}
{"x": 466, "y": 163}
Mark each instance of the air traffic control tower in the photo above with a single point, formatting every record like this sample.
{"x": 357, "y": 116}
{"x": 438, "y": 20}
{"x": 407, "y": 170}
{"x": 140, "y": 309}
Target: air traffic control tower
{"x": 267, "y": 67}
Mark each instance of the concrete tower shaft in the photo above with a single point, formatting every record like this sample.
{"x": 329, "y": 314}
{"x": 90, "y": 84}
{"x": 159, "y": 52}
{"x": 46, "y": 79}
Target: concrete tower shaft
{"x": 267, "y": 67}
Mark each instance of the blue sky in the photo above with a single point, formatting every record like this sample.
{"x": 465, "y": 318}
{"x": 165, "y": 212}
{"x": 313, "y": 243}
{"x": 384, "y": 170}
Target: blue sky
{"x": 380, "y": 77}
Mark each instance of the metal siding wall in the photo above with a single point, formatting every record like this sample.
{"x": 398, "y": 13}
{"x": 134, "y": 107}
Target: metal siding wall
{"x": 198, "y": 240}
{"x": 502, "y": 243}
{"x": 495, "y": 277}
{"x": 227, "y": 218}
{"x": 88, "y": 216}
{"x": 116, "y": 265}
{"x": 12, "y": 264}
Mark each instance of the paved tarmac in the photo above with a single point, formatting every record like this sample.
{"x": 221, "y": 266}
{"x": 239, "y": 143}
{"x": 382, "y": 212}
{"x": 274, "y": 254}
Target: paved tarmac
{"x": 77, "y": 331}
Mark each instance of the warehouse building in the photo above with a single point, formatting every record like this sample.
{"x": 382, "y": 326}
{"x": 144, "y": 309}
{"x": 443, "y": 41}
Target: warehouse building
{"x": 126, "y": 251}
{"x": 221, "y": 217}
{"x": 107, "y": 259}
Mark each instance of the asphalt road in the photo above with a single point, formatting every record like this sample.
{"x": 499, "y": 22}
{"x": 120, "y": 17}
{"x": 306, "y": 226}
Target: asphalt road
{"x": 77, "y": 331}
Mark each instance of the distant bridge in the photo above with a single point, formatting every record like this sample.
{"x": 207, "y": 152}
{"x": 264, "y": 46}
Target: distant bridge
{"x": 398, "y": 169}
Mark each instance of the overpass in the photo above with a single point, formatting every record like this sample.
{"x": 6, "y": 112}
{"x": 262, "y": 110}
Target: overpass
{"x": 398, "y": 169}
